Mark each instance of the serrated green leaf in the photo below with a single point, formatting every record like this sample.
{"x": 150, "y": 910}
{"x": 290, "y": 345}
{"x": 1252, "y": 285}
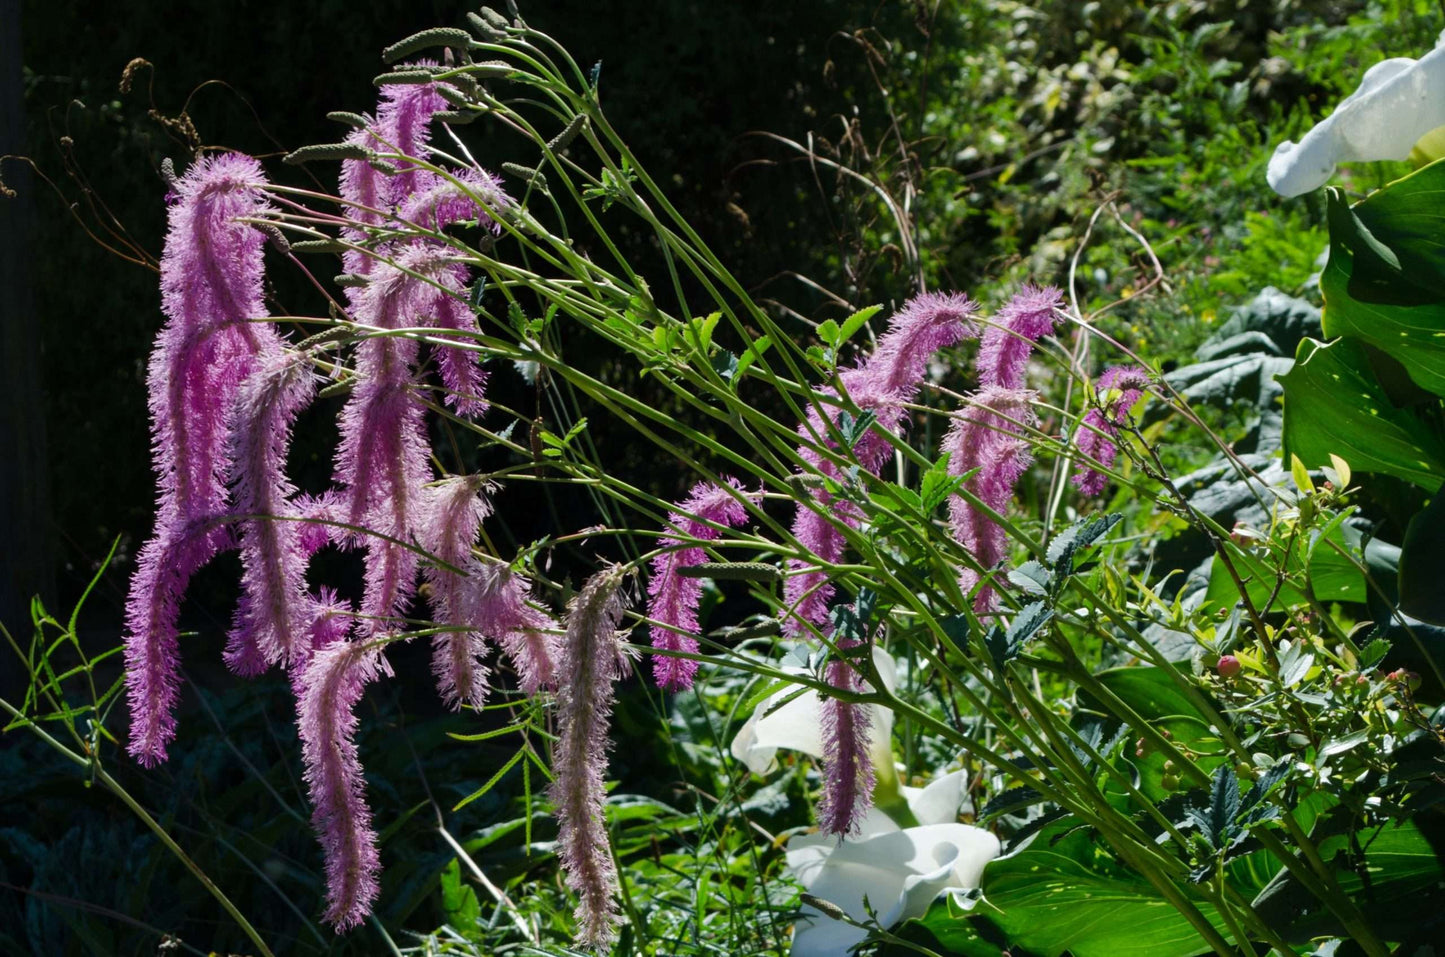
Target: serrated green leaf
{"x": 855, "y": 322}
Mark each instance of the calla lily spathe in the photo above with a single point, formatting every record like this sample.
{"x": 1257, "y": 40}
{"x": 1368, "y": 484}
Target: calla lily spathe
{"x": 899, "y": 870}
{"x": 1398, "y": 102}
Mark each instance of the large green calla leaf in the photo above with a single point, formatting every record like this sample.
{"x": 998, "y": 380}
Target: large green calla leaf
{"x": 1422, "y": 564}
{"x": 1066, "y": 894}
{"x": 1412, "y": 332}
{"x": 1400, "y": 232}
{"x": 1335, "y": 405}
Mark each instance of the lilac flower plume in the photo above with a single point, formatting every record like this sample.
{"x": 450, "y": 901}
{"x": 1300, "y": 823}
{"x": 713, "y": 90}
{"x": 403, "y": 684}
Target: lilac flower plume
{"x": 274, "y": 612}
{"x": 439, "y": 202}
{"x": 880, "y": 384}
{"x": 401, "y": 125}
{"x": 673, "y": 598}
{"x": 331, "y": 687}
{"x": 211, "y": 290}
{"x": 847, "y": 766}
{"x": 459, "y": 505}
{"x": 383, "y": 462}
{"x": 152, "y": 648}
{"x": 502, "y": 608}
{"x": 1003, "y": 352}
{"x": 986, "y": 436}
{"x": 593, "y": 659}
{"x": 1097, "y": 434}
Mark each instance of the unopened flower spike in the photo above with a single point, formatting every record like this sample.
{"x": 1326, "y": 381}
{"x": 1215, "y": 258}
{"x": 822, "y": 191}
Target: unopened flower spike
{"x": 594, "y": 657}
{"x": 1117, "y": 390}
{"x": 673, "y": 598}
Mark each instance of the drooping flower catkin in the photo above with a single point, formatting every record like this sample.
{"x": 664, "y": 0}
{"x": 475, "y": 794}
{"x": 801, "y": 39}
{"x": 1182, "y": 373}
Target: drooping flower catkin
{"x": 673, "y": 599}
{"x": 211, "y": 291}
{"x": 459, "y": 505}
{"x": 331, "y": 686}
{"x": 987, "y": 436}
{"x": 593, "y": 659}
{"x": 847, "y": 764}
{"x": 274, "y": 612}
{"x": 1004, "y": 350}
{"x": 1096, "y": 438}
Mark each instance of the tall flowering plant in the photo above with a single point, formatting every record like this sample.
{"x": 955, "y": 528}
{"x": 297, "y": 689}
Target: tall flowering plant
{"x": 820, "y": 492}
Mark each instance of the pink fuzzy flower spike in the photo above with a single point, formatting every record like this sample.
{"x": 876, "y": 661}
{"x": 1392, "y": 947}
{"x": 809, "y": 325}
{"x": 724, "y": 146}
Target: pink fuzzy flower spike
{"x": 211, "y": 291}
{"x": 880, "y": 384}
{"x": 459, "y": 505}
{"x": 593, "y": 659}
{"x": 274, "y": 611}
{"x": 1004, "y": 350}
{"x": 673, "y": 598}
{"x": 985, "y": 437}
{"x": 332, "y": 685}
{"x": 1121, "y": 387}
{"x": 403, "y": 125}
{"x": 848, "y": 767}
{"x": 528, "y": 636}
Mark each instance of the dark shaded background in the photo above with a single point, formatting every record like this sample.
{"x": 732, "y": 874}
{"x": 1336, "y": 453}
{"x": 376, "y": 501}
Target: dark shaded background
{"x": 683, "y": 82}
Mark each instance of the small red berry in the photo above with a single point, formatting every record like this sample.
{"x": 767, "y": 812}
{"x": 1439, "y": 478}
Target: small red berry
{"x": 1228, "y": 666}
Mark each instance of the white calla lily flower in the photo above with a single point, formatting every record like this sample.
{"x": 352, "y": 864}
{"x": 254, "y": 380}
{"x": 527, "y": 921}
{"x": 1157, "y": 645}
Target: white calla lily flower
{"x": 1397, "y": 103}
{"x": 899, "y": 870}
{"x": 797, "y": 724}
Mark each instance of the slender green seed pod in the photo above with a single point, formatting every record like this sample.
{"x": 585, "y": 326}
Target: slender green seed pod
{"x": 733, "y": 571}
{"x": 331, "y": 334}
{"x": 487, "y": 69}
{"x": 350, "y": 279}
{"x": 761, "y": 629}
{"x": 347, "y": 117}
{"x": 277, "y": 238}
{"x": 828, "y": 908}
{"x": 457, "y": 117}
{"x": 533, "y": 177}
{"x": 337, "y": 388}
{"x": 327, "y": 151}
{"x": 425, "y": 40}
{"x": 396, "y": 77}
{"x": 484, "y": 29}
{"x": 801, "y": 483}
{"x": 494, "y": 19}
{"x": 318, "y": 246}
{"x": 454, "y": 96}
{"x": 569, "y": 133}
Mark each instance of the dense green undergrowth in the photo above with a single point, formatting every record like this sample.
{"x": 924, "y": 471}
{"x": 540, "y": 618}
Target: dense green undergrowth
{"x": 1179, "y": 726}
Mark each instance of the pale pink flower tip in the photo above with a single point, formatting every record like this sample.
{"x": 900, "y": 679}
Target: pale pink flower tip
{"x": 673, "y": 598}
{"x": 1120, "y": 388}
{"x": 593, "y": 659}
{"x": 1004, "y": 350}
